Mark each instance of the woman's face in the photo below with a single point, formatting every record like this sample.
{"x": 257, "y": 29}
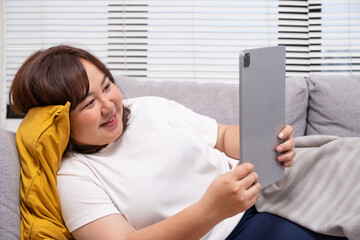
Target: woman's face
{"x": 98, "y": 119}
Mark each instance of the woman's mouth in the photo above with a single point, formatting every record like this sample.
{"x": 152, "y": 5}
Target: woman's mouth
{"x": 111, "y": 122}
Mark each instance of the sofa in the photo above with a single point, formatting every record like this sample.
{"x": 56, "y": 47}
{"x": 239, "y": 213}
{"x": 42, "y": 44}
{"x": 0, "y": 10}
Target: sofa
{"x": 315, "y": 105}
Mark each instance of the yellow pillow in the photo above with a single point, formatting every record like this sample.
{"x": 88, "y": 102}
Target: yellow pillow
{"x": 41, "y": 139}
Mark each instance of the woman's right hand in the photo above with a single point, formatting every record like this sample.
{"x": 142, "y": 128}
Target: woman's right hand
{"x": 232, "y": 192}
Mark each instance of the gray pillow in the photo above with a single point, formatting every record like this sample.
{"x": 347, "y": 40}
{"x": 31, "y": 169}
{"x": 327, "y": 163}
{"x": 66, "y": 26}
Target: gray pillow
{"x": 296, "y": 104}
{"x": 9, "y": 186}
{"x": 334, "y": 105}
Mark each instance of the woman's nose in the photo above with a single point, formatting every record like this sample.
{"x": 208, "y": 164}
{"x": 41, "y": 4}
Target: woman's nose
{"x": 107, "y": 106}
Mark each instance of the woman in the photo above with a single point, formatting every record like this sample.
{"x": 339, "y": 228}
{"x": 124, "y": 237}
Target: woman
{"x": 145, "y": 168}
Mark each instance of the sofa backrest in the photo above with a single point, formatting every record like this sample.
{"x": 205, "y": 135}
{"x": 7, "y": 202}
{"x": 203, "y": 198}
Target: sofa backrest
{"x": 319, "y": 104}
{"x": 217, "y": 100}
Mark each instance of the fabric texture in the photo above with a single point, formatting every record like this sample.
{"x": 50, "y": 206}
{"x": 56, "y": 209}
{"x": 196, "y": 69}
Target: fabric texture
{"x": 9, "y": 187}
{"x": 165, "y": 156}
{"x": 41, "y": 139}
{"x": 334, "y": 107}
{"x": 321, "y": 191}
{"x": 296, "y": 104}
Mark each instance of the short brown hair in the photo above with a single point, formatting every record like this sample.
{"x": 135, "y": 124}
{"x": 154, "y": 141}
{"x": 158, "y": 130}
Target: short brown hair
{"x": 53, "y": 77}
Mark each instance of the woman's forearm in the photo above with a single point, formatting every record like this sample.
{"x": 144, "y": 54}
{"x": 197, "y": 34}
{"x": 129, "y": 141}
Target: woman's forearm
{"x": 190, "y": 223}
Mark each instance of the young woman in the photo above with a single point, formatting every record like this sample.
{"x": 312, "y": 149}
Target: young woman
{"x": 145, "y": 168}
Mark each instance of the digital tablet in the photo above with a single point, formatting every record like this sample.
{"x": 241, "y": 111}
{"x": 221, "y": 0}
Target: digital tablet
{"x": 262, "y": 110}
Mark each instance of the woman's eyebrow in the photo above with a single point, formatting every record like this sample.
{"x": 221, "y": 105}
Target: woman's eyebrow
{"x": 102, "y": 83}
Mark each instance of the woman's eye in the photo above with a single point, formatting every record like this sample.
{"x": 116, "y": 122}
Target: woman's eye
{"x": 107, "y": 87}
{"x": 89, "y": 103}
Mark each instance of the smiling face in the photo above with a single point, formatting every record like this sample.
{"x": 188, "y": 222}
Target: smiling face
{"x": 98, "y": 119}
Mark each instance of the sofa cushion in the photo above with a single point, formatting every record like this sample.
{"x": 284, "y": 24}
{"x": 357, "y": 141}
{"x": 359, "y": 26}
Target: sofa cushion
{"x": 9, "y": 187}
{"x": 334, "y": 107}
{"x": 41, "y": 139}
{"x": 296, "y": 104}
{"x": 219, "y": 101}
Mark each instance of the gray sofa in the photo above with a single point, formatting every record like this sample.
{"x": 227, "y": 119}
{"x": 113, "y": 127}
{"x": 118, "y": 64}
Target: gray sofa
{"x": 320, "y": 105}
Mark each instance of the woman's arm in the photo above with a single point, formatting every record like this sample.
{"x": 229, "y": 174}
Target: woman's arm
{"x": 191, "y": 223}
{"x": 228, "y": 142}
{"x": 228, "y": 195}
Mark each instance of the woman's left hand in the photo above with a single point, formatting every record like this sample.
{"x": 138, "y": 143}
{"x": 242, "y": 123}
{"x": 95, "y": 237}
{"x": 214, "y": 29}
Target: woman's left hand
{"x": 287, "y": 148}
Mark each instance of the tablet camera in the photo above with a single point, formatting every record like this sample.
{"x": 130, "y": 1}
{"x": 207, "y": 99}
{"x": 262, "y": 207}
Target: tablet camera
{"x": 246, "y": 59}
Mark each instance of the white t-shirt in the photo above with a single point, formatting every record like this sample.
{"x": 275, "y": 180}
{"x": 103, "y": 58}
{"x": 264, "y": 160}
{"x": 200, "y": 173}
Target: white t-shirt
{"x": 162, "y": 163}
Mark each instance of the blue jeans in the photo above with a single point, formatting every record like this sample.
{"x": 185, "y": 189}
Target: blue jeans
{"x": 258, "y": 226}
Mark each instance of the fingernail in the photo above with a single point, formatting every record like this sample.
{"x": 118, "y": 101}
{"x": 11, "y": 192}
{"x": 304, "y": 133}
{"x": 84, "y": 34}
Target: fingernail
{"x": 281, "y": 135}
{"x": 279, "y": 149}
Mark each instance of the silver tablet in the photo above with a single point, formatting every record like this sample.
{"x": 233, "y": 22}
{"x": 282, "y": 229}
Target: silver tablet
{"x": 262, "y": 109}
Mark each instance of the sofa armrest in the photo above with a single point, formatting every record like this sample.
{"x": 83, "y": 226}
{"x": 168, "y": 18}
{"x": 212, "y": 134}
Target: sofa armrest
{"x": 10, "y": 187}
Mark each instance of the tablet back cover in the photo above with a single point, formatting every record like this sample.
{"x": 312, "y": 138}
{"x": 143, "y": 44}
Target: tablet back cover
{"x": 262, "y": 109}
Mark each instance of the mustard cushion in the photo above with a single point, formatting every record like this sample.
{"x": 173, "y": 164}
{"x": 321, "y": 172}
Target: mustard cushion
{"x": 41, "y": 139}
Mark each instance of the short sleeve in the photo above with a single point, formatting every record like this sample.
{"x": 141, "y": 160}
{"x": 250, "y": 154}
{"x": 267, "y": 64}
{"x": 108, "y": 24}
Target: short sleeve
{"x": 205, "y": 126}
{"x": 82, "y": 199}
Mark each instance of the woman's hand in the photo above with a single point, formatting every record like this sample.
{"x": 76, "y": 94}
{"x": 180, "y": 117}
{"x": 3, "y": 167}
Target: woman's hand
{"x": 287, "y": 148}
{"x": 231, "y": 193}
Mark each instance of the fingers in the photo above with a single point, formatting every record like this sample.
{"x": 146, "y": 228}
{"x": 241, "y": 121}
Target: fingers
{"x": 286, "y": 132}
{"x": 252, "y": 188}
{"x": 288, "y": 145}
{"x": 287, "y": 156}
{"x": 242, "y": 170}
{"x": 250, "y": 180}
{"x": 287, "y": 148}
{"x": 289, "y": 163}
{"x": 244, "y": 174}
{"x": 248, "y": 183}
{"x": 253, "y": 192}
{"x": 287, "y": 159}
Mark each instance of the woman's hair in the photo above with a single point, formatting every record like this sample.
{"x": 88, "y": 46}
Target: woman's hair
{"x": 53, "y": 77}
